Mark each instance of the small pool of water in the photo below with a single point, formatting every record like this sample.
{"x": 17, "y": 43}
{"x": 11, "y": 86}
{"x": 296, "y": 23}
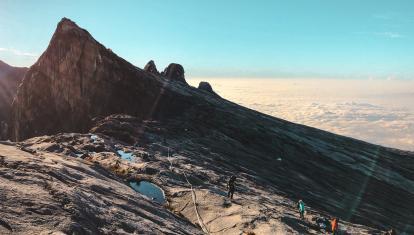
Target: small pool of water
{"x": 126, "y": 156}
{"x": 150, "y": 190}
{"x": 94, "y": 138}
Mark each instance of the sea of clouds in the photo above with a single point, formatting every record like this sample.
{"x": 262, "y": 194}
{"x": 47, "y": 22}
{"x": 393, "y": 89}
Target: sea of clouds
{"x": 376, "y": 111}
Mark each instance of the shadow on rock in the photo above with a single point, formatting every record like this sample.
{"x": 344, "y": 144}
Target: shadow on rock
{"x": 298, "y": 225}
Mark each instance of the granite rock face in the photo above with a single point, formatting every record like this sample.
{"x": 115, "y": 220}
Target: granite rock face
{"x": 174, "y": 72}
{"x": 205, "y": 86}
{"x": 151, "y": 67}
{"x": 369, "y": 190}
{"x": 10, "y": 79}
{"x": 77, "y": 79}
{"x": 43, "y": 192}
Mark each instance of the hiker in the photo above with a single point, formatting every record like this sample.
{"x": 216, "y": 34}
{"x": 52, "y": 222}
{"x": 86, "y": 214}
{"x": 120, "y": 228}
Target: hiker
{"x": 391, "y": 232}
{"x": 323, "y": 223}
{"x": 301, "y": 208}
{"x": 334, "y": 224}
{"x": 231, "y": 186}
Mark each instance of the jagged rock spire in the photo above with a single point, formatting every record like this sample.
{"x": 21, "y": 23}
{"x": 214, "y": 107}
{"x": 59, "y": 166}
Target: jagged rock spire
{"x": 151, "y": 67}
{"x": 174, "y": 72}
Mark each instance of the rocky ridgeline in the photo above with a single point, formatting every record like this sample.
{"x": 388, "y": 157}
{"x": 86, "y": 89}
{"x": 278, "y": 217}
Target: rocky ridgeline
{"x": 171, "y": 128}
{"x": 77, "y": 79}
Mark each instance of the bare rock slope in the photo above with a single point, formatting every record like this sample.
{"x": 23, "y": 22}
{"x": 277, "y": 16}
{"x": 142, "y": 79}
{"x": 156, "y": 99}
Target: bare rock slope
{"x": 44, "y": 193}
{"x": 180, "y": 135}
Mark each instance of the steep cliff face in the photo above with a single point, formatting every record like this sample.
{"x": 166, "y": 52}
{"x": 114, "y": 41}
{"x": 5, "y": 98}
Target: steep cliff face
{"x": 77, "y": 79}
{"x": 10, "y": 78}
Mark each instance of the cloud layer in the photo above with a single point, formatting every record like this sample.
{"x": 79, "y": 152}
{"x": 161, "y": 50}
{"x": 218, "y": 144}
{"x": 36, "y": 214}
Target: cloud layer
{"x": 380, "y": 112}
{"x": 17, "y": 52}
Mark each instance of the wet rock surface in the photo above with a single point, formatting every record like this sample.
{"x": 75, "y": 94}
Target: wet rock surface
{"x": 172, "y": 155}
{"x": 46, "y": 192}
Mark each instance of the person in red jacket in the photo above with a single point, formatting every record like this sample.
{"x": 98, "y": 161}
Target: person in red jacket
{"x": 334, "y": 224}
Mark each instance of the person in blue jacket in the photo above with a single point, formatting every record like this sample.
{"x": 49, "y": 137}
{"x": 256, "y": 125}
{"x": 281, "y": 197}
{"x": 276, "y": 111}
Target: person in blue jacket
{"x": 301, "y": 208}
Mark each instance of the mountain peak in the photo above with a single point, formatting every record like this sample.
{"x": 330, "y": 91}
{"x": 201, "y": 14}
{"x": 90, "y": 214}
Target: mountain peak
{"x": 66, "y": 24}
{"x": 77, "y": 78}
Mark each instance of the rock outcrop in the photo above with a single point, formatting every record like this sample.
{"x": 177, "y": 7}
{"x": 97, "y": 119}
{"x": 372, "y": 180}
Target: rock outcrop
{"x": 174, "y": 72}
{"x": 77, "y": 79}
{"x": 10, "y": 79}
{"x": 205, "y": 86}
{"x": 47, "y": 193}
{"x": 151, "y": 68}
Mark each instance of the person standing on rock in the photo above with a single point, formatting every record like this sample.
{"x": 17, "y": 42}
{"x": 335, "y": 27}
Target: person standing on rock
{"x": 301, "y": 208}
{"x": 231, "y": 186}
{"x": 391, "y": 232}
{"x": 334, "y": 224}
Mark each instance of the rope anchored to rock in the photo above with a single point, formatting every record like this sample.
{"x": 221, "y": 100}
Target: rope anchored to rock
{"x": 193, "y": 196}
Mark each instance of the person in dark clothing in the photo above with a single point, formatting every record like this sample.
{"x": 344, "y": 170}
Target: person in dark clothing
{"x": 323, "y": 223}
{"x": 231, "y": 186}
{"x": 391, "y": 232}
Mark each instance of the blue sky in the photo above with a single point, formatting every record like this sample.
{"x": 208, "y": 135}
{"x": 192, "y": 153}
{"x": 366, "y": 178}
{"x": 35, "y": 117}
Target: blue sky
{"x": 216, "y": 38}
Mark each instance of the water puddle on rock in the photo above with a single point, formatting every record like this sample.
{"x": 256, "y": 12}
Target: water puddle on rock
{"x": 150, "y": 190}
{"x": 126, "y": 156}
{"x": 94, "y": 138}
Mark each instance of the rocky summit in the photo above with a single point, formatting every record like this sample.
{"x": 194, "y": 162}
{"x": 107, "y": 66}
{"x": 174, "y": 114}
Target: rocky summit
{"x": 77, "y": 79}
{"x": 104, "y": 147}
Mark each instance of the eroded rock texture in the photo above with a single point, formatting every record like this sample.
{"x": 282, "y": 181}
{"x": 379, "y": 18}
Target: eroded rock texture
{"x": 47, "y": 193}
